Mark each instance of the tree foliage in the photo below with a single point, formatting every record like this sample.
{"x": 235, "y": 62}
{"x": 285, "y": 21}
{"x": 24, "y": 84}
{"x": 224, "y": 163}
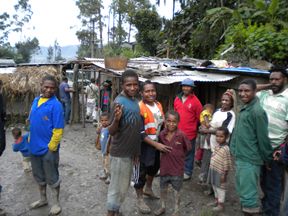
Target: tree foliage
{"x": 257, "y": 41}
{"x": 50, "y": 54}
{"x": 204, "y": 28}
{"x": 25, "y": 50}
{"x": 92, "y": 19}
{"x": 15, "y": 21}
{"x": 148, "y": 24}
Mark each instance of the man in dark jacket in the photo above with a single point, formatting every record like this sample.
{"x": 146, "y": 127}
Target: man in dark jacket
{"x": 2, "y": 132}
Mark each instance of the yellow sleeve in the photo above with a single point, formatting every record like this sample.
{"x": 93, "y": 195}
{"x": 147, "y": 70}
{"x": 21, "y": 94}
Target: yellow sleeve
{"x": 203, "y": 114}
{"x": 55, "y": 140}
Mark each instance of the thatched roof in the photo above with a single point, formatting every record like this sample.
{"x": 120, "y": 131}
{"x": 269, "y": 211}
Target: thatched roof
{"x": 27, "y": 79}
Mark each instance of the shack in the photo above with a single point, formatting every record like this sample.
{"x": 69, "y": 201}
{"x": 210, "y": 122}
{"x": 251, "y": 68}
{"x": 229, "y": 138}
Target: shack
{"x": 167, "y": 74}
{"x": 22, "y": 83}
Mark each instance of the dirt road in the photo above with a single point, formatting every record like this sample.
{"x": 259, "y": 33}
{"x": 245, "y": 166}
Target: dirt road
{"x": 82, "y": 193}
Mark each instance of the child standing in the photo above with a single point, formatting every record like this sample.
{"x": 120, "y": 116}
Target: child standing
{"x": 21, "y": 144}
{"x": 172, "y": 163}
{"x": 104, "y": 142}
{"x": 205, "y": 119}
{"x": 219, "y": 166}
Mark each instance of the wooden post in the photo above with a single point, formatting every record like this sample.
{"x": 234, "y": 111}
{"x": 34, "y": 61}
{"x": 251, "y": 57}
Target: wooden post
{"x": 82, "y": 97}
{"x": 75, "y": 106}
{"x": 114, "y": 88}
{"x": 99, "y": 95}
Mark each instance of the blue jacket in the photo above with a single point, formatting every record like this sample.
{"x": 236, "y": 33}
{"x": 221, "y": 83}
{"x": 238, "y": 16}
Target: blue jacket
{"x": 43, "y": 120}
{"x": 22, "y": 146}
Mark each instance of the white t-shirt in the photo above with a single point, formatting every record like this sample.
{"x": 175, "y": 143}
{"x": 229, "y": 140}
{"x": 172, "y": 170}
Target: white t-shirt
{"x": 217, "y": 120}
{"x": 158, "y": 119}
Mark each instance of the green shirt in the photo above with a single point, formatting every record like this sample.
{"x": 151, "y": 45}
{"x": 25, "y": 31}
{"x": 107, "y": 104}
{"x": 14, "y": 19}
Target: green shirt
{"x": 249, "y": 141}
{"x": 276, "y": 107}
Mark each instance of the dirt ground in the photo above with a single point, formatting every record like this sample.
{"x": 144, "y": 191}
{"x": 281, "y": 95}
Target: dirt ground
{"x": 82, "y": 192}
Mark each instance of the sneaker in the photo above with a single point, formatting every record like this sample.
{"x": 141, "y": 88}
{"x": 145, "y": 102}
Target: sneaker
{"x": 186, "y": 177}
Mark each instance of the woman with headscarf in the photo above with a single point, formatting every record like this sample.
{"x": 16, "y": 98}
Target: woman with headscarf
{"x": 223, "y": 117}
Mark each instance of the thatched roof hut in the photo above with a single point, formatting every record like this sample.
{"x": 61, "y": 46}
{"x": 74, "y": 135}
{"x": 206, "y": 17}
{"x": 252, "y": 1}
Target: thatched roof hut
{"x": 23, "y": 84}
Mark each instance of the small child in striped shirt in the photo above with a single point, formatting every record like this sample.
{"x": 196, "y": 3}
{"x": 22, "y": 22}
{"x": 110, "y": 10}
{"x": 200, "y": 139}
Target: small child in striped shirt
{"x": 220, "y": 165}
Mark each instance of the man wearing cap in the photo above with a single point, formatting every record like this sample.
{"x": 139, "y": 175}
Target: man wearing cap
{"x": 189, "y": 108}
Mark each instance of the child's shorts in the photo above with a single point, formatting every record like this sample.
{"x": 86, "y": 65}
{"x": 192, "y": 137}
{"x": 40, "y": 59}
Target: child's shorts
{"x": 175, "y": 181}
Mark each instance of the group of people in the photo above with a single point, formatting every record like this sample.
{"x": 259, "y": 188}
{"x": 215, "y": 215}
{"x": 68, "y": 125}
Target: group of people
{"x": 92, "y": 96}
{"x": 256, "y": 139}
{"x": 138, "y": 138}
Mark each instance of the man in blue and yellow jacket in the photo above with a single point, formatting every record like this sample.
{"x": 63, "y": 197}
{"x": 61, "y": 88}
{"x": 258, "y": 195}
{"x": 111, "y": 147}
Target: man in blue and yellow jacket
{"x": 46, "y": 130}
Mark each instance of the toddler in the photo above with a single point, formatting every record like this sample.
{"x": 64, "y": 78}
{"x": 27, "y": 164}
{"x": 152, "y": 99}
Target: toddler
{"x": 104, "y": 140}
{"x": 21, "y": 144}
{"x": 172, "y": 163}
{"x": 220, "y": 164}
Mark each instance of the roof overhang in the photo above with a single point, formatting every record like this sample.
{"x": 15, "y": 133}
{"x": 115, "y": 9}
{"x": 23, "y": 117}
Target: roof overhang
{"x": 193, "y": 75}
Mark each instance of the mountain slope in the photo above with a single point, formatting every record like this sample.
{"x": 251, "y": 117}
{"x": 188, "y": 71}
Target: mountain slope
{"x": 67, "y": 52}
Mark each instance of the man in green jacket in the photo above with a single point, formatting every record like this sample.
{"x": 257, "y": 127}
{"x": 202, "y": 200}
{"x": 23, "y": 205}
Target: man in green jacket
{"x": 250, "y": 146}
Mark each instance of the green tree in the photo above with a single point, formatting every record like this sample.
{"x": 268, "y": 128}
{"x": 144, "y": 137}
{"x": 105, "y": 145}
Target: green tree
{"x": 25, "y": 50}
{"x": 132, "y": 7}
{"x": 84, "y": 49}
{"x": 179, "y": 35}
{"x": 6, "y": 51}
{"x": 16, "y": 20}
{"x": 91, "y": 17}
{"x": 50, "y": 54}
{"x": 148, "y": 24}
{"x": 119, "y": 8}
{"x": 256, "y": 41}
{"x": 13, "y": 22}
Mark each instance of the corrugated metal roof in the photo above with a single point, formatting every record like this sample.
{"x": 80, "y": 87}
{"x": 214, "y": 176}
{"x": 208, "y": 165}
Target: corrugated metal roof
{"x": 7, "y": 63}
{"x": 178, "y": 74}
{"x": 7, "y": 70}
{"x": 193, "y": 75}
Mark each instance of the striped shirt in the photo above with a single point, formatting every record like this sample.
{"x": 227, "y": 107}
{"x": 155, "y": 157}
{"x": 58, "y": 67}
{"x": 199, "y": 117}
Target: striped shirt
{"x": 221, "y": 159}
{"x": 276, "y": 107}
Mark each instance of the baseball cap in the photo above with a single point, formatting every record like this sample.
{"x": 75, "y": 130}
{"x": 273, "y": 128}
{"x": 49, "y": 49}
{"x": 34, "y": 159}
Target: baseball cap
{"x": 188, "y": 82}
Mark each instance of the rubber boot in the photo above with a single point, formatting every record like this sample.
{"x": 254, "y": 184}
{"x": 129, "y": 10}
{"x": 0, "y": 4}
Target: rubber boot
{"x": 26, "y": 165}
{"x": 141, "y": 205}
{"x": 43, "y": 198}
{"x": 148, "y": 188}
{"x": 55, "y": 208}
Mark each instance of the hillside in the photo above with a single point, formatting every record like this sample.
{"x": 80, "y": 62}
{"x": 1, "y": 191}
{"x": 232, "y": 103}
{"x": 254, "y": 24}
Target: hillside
{"x": 68, "y": 52}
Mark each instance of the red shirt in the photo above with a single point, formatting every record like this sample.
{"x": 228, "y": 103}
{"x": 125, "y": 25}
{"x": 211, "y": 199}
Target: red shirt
{"x": 172, "y": 163}
{"x": 189, "y": 112}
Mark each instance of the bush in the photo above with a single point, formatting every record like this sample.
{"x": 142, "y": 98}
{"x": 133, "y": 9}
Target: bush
{"x": 256, "y": 41}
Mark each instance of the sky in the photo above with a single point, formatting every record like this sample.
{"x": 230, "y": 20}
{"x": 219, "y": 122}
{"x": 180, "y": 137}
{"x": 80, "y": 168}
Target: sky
{"x": 57, "y": 20}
